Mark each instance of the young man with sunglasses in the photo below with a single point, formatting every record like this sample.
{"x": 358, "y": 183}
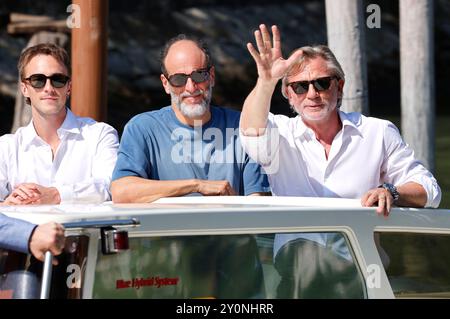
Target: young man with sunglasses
{"x": 325, "y": 152}
{"x": 58, "y": 157}
{"x": 187, "y": 147}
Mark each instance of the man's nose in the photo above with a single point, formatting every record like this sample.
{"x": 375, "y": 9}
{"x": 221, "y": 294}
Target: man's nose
{"x": 312, "y": 92}
{"x": 190, "y": 86}
{"x": 48, "y": 86}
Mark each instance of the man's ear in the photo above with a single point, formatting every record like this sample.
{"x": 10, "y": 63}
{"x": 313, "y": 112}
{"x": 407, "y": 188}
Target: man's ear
{"x": 165, "y": 83}
{"x": 286, "y": 92}
{"x": 69, "y": 88}
{"x": 212, "y": 76}
{"x": 24, "y": 89}
{"x": 341, "y": 87}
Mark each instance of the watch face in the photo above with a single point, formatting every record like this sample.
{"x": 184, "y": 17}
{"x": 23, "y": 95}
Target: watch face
{"x": 392, "y": 189}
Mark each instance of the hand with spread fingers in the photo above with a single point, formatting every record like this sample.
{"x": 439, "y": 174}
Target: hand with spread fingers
{"x": 271, "y": 68}
{"x": 378, "y": 197}
{"x": 268, "y": 57}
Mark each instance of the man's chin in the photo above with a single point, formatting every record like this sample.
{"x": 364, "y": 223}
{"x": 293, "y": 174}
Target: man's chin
{"x": 313, "y": 117}
{"x": 50, "y": 110}
{"x": 194, "y": 111}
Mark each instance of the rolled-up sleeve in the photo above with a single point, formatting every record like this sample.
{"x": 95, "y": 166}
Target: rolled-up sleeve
{"x": 264, "y": 148}
{"x": 401, "y": 167}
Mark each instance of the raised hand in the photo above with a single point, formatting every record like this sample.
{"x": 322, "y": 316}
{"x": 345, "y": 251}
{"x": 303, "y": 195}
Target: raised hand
{"x": 269, "y": 60}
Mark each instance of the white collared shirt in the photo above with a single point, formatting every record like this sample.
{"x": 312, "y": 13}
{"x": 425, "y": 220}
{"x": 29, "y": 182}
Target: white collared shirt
{"x": 365, "y": 153}
{"x": 82, "y": 166}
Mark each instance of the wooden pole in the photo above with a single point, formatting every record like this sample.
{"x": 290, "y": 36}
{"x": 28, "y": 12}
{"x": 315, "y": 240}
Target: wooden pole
{"x": 89, "y": 60}
{"x": 345, "y": 29}
{"x": 417, "y": 78}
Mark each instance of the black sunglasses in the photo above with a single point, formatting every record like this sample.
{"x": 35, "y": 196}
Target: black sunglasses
{"x": 320, "y": 84}
{"x": 180, "y": 79}
{"x": 57, "y": 80}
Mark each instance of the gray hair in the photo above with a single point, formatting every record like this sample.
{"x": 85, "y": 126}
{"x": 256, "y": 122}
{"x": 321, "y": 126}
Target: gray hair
{"x": 311, "y": 52}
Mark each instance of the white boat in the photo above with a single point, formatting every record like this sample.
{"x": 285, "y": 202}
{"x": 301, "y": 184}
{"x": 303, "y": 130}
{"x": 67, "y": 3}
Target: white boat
{"x": 223, "y": 247}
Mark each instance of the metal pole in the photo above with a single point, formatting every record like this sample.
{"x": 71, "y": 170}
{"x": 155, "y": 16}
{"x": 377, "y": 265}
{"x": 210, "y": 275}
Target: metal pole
{"x": 47, "y": 276}
{"x": 89, "y": 60}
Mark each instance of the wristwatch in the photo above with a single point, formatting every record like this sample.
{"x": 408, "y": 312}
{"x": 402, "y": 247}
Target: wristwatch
{"x": 392, "y": 189}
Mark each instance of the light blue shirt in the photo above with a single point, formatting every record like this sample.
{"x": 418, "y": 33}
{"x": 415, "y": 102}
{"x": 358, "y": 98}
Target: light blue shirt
{"x": 156, "y": 145}
{"x": 15, "y": 233}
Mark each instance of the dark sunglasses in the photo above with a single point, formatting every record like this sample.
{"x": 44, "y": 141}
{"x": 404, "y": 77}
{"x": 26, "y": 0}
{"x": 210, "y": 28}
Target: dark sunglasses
{"x": 180, "y": 79}
{"x": 57, "y": 80}
{"x": 320, "y": 84}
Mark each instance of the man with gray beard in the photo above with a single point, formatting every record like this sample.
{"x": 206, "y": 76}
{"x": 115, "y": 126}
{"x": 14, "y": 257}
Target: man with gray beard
{"x": 192, "y": 147}
{"x": 189, "y": 147}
